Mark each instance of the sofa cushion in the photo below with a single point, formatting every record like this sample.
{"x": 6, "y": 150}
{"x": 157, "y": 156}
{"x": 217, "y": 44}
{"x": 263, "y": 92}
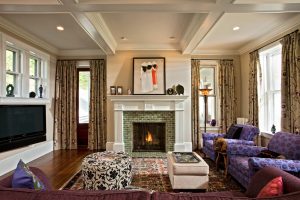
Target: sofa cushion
{"x": 23, "y": 177}
{"x": 234, "y": 132}
{"x": 273, "y": 188}
{"x": 240, "y": 163}
{"x": 286, "y": 144}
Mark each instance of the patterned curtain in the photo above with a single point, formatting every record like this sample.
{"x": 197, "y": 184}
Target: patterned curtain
{"x": 227, "y": 94}
{"x": 195, "y": 102}
{"x": 97, "y": 123}
{"x": 65, "y": 123}
{"x": 290, "y": 84}
{"x": 255, "y": 71}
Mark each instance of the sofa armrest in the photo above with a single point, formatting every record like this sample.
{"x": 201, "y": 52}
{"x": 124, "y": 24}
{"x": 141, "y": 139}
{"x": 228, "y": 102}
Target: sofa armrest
{"x": 244, "y": 150}
{"x": 241, "y": 142}
{"x": 211, "y": 136}
{"x": 292, "y": 166}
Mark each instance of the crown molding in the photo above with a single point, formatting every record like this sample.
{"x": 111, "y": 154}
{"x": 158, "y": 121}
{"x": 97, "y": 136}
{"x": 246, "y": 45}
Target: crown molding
{"x": 215, "y": 52}
{"x": 288, "y": 25}
{"x": 5, "y": 24}
{"x": 98, "y": 22}
{"x": 81, "y": 52}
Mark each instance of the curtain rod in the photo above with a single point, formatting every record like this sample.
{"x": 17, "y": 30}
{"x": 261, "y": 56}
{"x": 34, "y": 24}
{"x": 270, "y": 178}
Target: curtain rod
{"x": 274, "y": 41}
{"x": 209, "y": 59}
{"x": 79, "y": 59}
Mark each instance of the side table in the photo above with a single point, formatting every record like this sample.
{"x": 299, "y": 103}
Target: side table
{"x": 222, "y": 155}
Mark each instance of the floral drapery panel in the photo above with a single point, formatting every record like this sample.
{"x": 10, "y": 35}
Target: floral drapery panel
{"x": 65, "y": 124}
{"x": 290, "y": 84}
{"x": 97, "y": 124}
{"x": 227, "y": 94}
{"x": 195, "y": 102}
{"x": 254, "y": 77}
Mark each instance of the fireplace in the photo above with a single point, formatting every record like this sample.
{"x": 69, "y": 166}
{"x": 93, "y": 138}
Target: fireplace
{"x": 149, "y": 137}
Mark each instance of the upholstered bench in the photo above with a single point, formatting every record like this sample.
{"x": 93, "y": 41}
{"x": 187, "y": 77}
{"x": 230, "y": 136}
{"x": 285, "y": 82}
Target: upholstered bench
{"x": 106, "y": 170}
{"x": 188, "y": 175}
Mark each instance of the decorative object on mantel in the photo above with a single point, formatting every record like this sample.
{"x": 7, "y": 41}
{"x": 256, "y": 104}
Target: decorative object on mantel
{"x": 170, "y": 91}
{"x": 10, "y": 90}
{"x": 179, "y": 89}
{"x": 129, "y": 91}
{"x": 41, "y": 91}
{"x": 113, "y": 90}
{"x": 273, "y": 129}
{"x": 149, "y": 75}
{"x": 119, "y": 90}
{"x": 32, "y": 94}
{"x": 174, "y": 89}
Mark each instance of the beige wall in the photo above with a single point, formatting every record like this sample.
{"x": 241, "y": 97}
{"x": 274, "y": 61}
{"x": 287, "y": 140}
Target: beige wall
{"x": 119, "y": 73}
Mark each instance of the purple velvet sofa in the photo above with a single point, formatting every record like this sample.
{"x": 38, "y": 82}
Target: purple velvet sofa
{"x": 243, "y": 162}
{"x": 247, "y": 137}
{"x": 291, "y": 190}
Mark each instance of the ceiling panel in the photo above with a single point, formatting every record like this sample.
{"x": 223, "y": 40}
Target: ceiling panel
{"x": 143, "y": 1}
{"x": 252, "y": 26}
{"x": 30, "y": 2}
{"x": 147, "y": 28}
{"x": 44, "y": 27}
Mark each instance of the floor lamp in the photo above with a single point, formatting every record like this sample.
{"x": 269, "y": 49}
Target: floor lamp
{"x": 204, "y": 92}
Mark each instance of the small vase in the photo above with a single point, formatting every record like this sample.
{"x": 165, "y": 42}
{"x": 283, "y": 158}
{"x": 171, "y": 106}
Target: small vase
{"x": 213, "y": 122}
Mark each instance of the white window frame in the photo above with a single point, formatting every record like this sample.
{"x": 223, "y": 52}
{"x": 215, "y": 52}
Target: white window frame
{"x": 17, "y": 72}
{"x": 265, "y": 93}
{"x": 215, "y": 65}
{"x": 26, "y": 52}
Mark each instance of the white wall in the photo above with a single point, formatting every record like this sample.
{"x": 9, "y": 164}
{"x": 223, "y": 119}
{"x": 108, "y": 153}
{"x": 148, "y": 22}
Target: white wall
{"x": 120, "y": 73}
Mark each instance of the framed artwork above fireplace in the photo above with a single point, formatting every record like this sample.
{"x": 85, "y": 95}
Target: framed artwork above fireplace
{"x": 149, "y": 77}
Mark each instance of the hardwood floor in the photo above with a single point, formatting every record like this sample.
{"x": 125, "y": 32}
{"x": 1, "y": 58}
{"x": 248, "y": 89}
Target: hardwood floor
{"x": 60, "y": 165}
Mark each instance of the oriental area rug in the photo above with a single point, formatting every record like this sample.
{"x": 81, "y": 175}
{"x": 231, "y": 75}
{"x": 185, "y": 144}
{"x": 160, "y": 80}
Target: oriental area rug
{"x": 151, "y": 174}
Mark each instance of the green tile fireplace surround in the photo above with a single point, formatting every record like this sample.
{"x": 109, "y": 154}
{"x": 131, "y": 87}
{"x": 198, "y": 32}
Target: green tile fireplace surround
{"x": 167, "y": 117}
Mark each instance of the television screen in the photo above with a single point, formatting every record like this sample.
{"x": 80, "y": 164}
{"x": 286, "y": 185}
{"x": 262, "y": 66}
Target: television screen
{"x": 22, "y": 120}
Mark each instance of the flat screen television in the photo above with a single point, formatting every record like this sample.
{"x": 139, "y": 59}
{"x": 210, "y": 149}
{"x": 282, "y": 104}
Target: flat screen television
{"x": 21, "y": 125}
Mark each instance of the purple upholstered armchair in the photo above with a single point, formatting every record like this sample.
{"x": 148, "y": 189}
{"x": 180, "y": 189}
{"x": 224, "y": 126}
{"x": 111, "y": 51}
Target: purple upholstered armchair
{"x": 247, "y": 137}
{"x": 243, "y": 162}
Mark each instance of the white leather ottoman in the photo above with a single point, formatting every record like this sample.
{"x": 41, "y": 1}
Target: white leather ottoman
{"x": 188, "y": 175}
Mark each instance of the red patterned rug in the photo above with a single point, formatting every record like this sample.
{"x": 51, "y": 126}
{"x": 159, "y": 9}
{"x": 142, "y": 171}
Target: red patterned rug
{"x": 151, "y": 174}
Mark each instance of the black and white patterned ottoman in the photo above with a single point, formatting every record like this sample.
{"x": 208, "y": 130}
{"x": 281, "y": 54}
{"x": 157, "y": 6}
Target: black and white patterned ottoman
{"x": 107, "y": 170}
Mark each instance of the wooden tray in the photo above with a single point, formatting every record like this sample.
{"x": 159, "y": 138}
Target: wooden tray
{"x": 185, "y": 157}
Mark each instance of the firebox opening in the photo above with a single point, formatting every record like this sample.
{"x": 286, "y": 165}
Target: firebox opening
{"x": 149, "y": 137}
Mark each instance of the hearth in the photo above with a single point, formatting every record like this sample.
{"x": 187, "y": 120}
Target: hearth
{"x": 149, "y": 137}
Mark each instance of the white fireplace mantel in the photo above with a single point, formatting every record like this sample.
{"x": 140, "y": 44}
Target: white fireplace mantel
{"x": 174, "y": 103}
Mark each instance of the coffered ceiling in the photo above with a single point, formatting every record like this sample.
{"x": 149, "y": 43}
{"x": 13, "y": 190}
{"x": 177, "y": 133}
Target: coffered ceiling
{"x": 106, "y": 26}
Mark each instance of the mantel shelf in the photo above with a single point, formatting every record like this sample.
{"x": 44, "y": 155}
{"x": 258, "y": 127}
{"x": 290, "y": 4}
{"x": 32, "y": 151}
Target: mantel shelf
{"x": 147, "y": 97}
{"x": 23, "y": 101}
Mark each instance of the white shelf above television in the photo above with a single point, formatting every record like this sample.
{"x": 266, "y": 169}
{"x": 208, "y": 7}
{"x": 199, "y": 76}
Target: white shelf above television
{"x": 23, "y": 101}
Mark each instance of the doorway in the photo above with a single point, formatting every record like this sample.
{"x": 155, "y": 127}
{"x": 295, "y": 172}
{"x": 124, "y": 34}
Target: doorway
{"x": 83, "y": 104}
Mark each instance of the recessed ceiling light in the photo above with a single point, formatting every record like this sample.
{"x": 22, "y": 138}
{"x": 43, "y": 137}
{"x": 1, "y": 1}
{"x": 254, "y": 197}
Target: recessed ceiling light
{"x": 124, "y": 38}
{"x": 236, "y": 28}
{"x": 60, "y": 28}
{"x": 172, "y": 38}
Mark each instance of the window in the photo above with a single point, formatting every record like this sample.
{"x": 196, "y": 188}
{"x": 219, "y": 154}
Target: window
{"x": 83, "y": 95}
{"x": 269, "y": 89}
{"x": 35, "y": 74}
{"x": 208, "y": 79}
{"x": 12, "y": 57}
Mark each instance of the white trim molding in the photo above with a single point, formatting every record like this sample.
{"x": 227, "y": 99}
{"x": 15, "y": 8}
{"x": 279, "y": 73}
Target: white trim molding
{"x": 146, "y": 103}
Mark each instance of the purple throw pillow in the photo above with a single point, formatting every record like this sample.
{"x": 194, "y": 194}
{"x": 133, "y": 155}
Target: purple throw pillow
{"x": 24, "y": 178}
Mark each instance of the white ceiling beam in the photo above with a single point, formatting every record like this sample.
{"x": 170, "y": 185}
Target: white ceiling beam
{"x": 101, "y": 39}
{"x": 189, "y": 7}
